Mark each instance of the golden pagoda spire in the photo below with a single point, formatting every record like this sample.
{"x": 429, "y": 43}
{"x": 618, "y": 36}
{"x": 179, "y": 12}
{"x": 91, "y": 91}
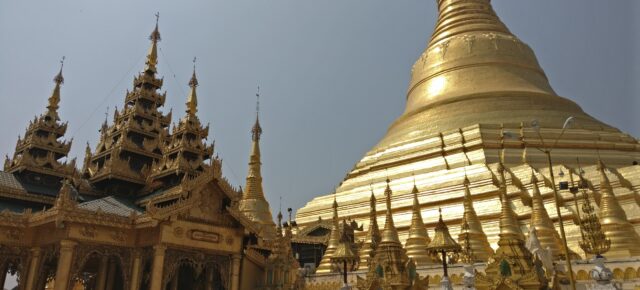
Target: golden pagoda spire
{"x": 325, "y": 265}
{"x": 473, "y": 233}
{"x": 152, "y": 55}
{"x": 253, "y": 203}
{"x": 389, "y": 233}
{"x": 512, "y": 260}
{"x": 54, "y": 100}
{"x": 540, "y": 221}
{"x": 418, "y": 240}
{"x": 372, "y": 239}
{"x": 509, "y": 225}
{"x": 192, "y": 99}
{"x": 471, "y": 59}
{"x": 616, "y": 226}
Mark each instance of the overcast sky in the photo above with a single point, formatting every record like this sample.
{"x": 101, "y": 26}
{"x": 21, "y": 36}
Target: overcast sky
{"x": 333, "y": 73}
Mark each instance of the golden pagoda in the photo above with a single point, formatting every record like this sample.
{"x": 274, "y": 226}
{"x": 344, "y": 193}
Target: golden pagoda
{"x": 253, "y": 203}
{"x": 325, "y": 265}
{"x": 615, "y": 225}
{"x": 372, "y": 239}
{"x": 544, "y": 228}
{"x": 390, "y": 259}
{"x": 418, "y": 240}
{"x": 511, "y": 266}
{"x": 471, "y": 235}
{"x": 475, "y": 85}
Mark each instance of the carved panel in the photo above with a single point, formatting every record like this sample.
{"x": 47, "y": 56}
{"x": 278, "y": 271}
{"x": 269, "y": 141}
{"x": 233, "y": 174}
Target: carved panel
{"x": 205, "y": 236}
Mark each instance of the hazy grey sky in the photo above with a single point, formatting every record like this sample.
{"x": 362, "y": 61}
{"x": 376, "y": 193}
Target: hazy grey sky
{"x": 333, "y": 73}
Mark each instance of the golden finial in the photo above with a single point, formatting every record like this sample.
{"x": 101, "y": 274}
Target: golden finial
{"x": 152, "y": 55}
{"x": 442, "y": 240}
{"x": 325, "y": 265}
{"x": 54, "y": 100}
{"x": 256, "y": 131}
{"x": 371, "y": 240}
{"x": 192, "y": 99}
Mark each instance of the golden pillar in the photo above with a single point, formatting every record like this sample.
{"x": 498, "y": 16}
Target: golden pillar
{"x": 111, "y": 274}
{"x": 235, "y": 272}
{"x": 32, "y": 275}
{"x": 64, "y": 264}
{"x": 101, "y": 279}
{"x": 135, "y": 270}
{"x": 156, "y": 268}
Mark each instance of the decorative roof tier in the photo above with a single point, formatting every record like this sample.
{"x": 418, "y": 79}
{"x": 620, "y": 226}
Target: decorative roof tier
{"x": 253, "y": 203}
{"x": 127, "y": 149}
{"x": 37, "y": 157}
{"x": 185, "y": 151}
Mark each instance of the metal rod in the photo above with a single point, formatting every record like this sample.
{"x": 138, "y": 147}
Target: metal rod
{"x": 564, "y": 237}
{"x": 444, "y": 263}
{"x": 345, "y": 271}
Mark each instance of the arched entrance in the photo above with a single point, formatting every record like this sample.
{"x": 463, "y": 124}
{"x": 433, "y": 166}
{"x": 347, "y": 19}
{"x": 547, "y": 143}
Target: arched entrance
{"x": 188, "y": 275}
{"x": 99, "y": 271}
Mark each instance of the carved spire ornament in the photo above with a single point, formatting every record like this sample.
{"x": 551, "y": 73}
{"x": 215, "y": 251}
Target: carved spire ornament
{"x": 474, "y": 234}
{"x": 616, "y": 226}
{"x": 418, "y": 240}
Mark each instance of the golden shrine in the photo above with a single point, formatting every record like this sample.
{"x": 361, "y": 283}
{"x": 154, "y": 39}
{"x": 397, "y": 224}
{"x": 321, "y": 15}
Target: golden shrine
{"x": 150, "y": 208}
{"x": 485, "y": 138}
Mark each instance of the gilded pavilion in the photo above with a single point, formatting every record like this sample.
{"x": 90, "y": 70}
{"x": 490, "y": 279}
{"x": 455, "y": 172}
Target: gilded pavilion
{"x": 149, "y": 208}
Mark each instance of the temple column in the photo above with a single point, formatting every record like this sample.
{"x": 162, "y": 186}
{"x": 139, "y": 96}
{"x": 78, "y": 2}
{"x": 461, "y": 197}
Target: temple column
{"x": 101, "y": 279}
{"x": 135, "y": 270}
{"x": 235, "y": 272}
{"x": 34, "y": 267}
{"x": 64, "y": 264}
{"x": 156, "y": 267}
{"x": 111, "y": 275}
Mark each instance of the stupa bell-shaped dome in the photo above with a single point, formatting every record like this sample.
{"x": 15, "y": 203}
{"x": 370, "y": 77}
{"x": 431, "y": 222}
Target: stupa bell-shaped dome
{"x": 475, "y": 71}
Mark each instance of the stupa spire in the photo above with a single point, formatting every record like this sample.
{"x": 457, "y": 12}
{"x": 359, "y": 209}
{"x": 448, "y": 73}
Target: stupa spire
{"x": 418, "y": 240}
{"x": 54, "y": 99}
{"x": 256, "y": 131}
{"x": 544, "y": 228}
{"x": 372, "y": 239}
{"x": 389, "y": 233}
{"x": 192, "y": 98}
{"x": 152, "y": 55}
{"x": 334, "y": 241}
{"x": 472, "y": 232}
{"x": 253, "y": 202}
{"x": 616, "y": 226}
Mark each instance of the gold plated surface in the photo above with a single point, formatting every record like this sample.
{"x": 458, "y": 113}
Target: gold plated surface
{"x": 474, "y": 83}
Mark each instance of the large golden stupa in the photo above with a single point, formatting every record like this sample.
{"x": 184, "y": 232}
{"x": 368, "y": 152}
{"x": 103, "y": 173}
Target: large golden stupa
{"x": 477, "y": 99}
